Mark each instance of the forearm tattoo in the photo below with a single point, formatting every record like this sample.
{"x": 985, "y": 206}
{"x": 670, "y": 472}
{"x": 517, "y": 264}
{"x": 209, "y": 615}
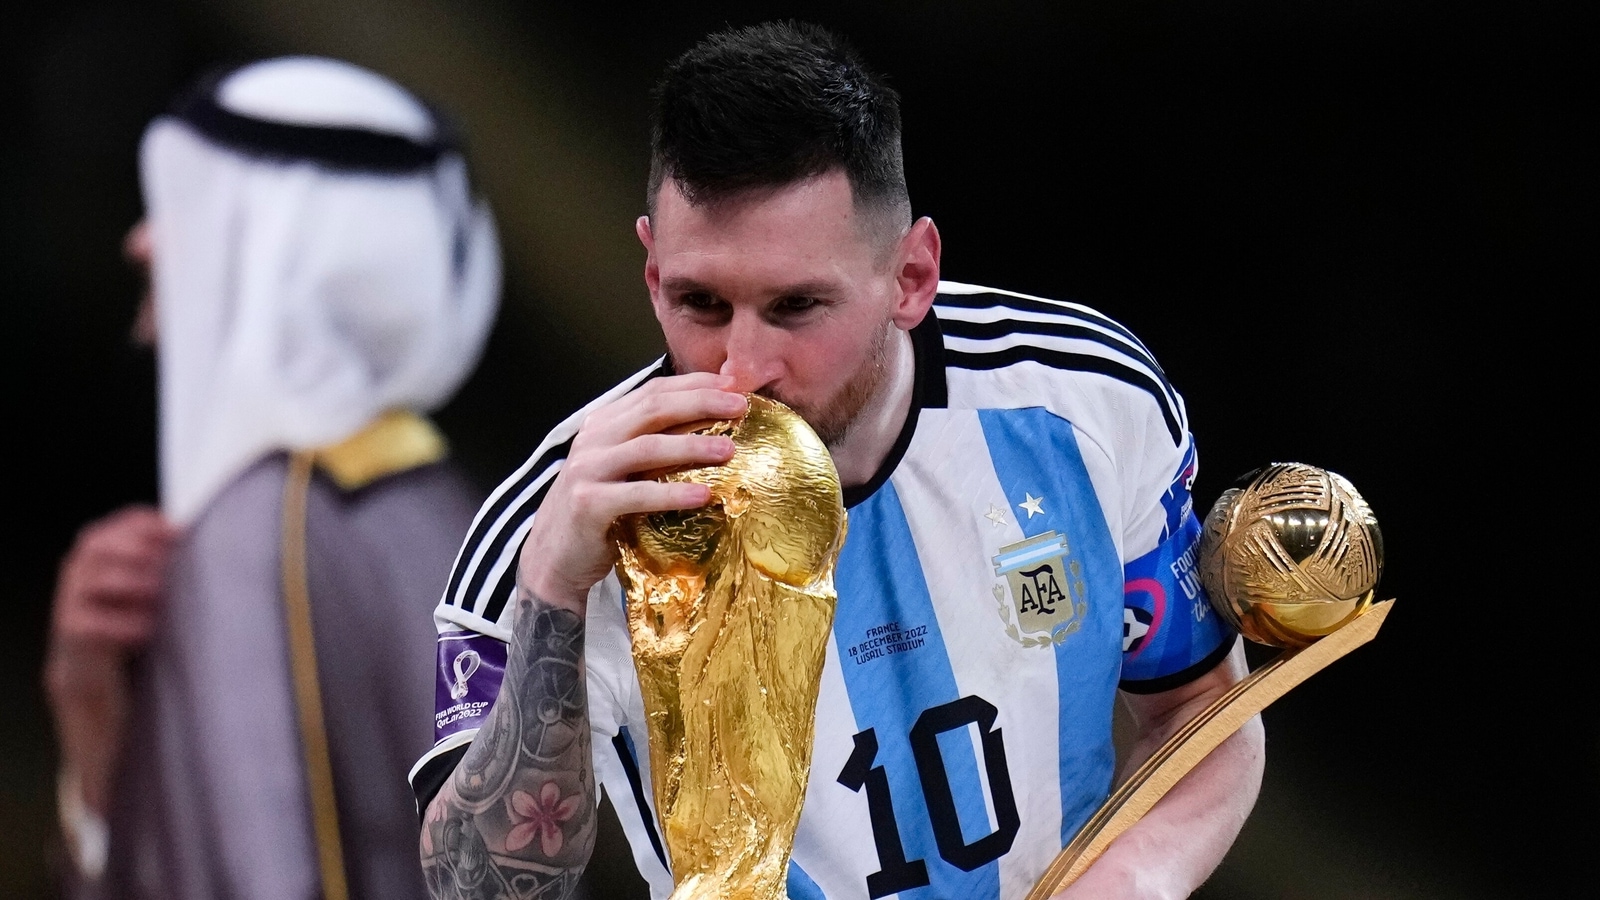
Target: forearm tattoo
{"x": 517, "y": 817}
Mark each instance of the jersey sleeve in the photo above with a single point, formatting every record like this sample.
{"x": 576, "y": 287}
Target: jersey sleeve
{"x": 474, "y": 617}
{"x": 470, "y": 667}
{"x": 1105, "y": 381}
{"x": 1170, "y": 633}
{"x": 1138, "y": 450}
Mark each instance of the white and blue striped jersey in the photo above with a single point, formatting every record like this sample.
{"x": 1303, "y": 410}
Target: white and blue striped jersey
{"x": 1027, "y": 548}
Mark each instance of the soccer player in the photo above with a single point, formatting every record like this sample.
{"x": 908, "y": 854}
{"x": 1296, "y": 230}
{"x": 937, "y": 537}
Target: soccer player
{"x": 322, "y": 277}
{"x": 1021, "y": 543}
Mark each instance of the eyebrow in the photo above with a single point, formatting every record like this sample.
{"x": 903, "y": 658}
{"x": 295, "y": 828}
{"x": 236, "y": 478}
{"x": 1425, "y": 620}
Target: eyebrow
{"x": 680, "y": 284}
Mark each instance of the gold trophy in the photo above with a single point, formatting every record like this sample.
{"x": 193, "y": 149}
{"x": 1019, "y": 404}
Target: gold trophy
{"x": 1291, "y": 558}
{"x": 730, "y": 607}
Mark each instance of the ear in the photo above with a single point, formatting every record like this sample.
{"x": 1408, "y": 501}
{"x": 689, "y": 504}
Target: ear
{"x": 917, "y": 276}
{"x": 652, "y": 270}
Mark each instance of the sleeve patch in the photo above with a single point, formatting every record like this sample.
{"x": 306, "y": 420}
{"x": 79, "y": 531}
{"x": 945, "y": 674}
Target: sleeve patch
{"x": 1168, "y": 624}
{"x": 471, "y": 667}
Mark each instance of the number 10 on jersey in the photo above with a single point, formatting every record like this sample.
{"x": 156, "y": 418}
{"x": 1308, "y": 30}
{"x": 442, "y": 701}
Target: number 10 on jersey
{"x": 896, "y": 873}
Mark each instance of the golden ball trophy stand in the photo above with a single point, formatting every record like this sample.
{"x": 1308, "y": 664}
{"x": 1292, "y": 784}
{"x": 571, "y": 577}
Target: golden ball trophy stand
{"x": 1291, "y": 558}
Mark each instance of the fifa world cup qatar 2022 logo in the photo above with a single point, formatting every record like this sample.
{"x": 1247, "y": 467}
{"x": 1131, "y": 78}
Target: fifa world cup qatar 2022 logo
{"x": 462, "y": 667}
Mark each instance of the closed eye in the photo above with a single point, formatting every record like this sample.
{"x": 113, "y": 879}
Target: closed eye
{"x": 795, "y": 304}
{"x": 702, "y": 306}
{"x": 698, "y": 300}
{"x": 796, "y": 309}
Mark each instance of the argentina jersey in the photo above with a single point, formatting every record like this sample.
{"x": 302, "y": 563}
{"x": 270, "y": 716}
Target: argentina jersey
{"x": 1026, "y": 550}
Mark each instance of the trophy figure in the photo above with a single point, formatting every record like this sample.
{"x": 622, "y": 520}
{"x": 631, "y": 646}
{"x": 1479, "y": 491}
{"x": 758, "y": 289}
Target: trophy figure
{"x": 1291, "y": 558}
{"x": 730, "y": 607}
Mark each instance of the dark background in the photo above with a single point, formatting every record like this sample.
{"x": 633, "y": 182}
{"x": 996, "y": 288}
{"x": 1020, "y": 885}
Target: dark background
{"x": 1349, "y": 230}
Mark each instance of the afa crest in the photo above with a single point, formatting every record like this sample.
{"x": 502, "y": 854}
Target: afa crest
{"x": 1044, "y": 585}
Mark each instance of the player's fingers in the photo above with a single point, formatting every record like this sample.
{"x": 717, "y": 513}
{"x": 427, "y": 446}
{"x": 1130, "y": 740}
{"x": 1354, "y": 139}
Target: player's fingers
{"x": 656, "y": 452}
{"x": 595, "y": 505}
{"x": 685, "y": 382}
{"x": 668, "y": 411}
{"x": 656, "y": 496}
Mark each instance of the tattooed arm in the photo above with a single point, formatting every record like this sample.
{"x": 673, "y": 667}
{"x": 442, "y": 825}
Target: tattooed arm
{"x": 517, "y": 816}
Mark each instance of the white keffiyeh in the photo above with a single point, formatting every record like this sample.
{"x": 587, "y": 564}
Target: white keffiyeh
{"x": 297, "y": 300}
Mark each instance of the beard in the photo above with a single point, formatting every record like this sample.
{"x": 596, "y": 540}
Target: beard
{"x": 833, "y": 418}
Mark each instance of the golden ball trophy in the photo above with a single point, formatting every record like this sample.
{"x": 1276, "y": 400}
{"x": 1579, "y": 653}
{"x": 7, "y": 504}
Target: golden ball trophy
{"x": 730, "y": 608}
{"x": 1291, "y": 558}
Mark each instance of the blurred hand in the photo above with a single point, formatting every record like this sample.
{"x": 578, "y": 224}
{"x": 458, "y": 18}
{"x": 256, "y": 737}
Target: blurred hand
{"x": 567, "y": 550}
{"x": 111, "y": 580}
{"x": 108, "y": 595}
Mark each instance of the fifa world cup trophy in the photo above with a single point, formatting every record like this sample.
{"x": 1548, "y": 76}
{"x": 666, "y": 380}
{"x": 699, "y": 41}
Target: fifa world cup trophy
{"x": 730, "y": 607}
{"x": 1291, "y": 557}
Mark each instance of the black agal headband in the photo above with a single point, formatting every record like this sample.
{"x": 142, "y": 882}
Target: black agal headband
{"x": 339, "y": 147}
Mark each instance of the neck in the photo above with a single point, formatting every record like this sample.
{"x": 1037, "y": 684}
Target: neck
{"x": 862, "y": 450}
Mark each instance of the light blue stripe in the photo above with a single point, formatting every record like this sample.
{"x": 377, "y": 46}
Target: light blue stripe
{"x": 800, "y": 886}
{"x": 956, "y": 744}
{"x": 1011, "y": 561}
{"x": 880, "y": 580}
{"x": 1034, "y": 451}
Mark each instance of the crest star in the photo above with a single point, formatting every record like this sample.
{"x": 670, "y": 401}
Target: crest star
{"x": 995, "y": 515}
{"x": 1032, "y": 505}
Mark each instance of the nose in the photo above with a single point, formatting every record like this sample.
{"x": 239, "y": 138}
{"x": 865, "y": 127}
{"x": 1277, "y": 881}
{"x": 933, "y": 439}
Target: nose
{"x": 752, "y": 352}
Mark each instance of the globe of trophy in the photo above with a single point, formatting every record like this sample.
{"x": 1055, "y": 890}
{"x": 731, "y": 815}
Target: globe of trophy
{"x": 730, "y": 607}
{"x": 1290, "y": 554}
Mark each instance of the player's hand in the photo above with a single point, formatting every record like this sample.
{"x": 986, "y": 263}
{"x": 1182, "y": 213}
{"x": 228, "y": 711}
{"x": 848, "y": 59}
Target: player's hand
{"x": 567, "y": 550}
{"x": 108, "y": 595}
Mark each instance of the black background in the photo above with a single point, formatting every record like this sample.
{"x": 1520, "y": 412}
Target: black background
{"x": 1349, "y": 230}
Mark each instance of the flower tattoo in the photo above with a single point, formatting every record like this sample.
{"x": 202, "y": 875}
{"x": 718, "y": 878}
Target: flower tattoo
{"x": 540, "y": 817}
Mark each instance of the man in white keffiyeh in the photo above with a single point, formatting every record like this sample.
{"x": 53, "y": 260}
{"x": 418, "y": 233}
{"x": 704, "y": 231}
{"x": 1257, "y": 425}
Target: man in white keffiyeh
{"x": 322, "y": 278}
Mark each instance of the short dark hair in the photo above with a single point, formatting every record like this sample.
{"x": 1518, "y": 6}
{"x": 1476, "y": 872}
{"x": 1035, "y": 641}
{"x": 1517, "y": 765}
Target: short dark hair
{"x": 769, "y": 105}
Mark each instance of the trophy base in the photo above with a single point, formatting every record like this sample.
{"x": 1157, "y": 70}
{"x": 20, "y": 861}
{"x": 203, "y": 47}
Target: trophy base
{"x": 1184, "y": 750}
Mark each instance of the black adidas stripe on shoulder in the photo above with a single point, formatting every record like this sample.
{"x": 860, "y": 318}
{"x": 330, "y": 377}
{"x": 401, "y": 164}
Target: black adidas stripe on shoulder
{"x": 493, "y": 529}
{"x": 1065, "y": 322}
{"x": 988, "y": 331}
{"x": 989, "y": 299}
{"x": 503, "y": 588}
{"x": 1078, "y": 362}
{"x": 1130, "y": 362}
{"x": 480, "y": 564}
